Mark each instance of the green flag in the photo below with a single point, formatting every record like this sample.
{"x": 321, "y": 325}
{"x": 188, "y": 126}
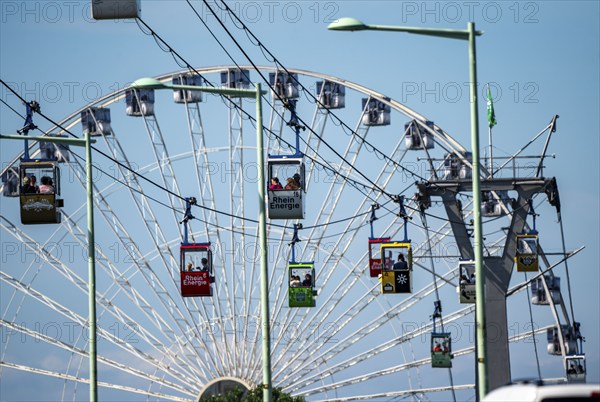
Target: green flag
{"x": 490, "y": 109}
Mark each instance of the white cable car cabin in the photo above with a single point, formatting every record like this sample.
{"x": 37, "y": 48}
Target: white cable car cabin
{"x": 10, "y": 182}
{"x": 375, "y": 255}
{"x": 418, "y": 137}
{"x": 375, "y": 112}
{"x": 235, "y": 78}
{"x": 301, "y": 290}
{"x": 569, "y": 340}
{"x": 441, "y": 350}
{"x": 96, "y": 121}
{"x": 196, "y": 266}
{"x": 466, "y": 282}
{"x": 397, "y": 267}
{"x": 286, "y": 187}
{"x": 526, "y": 256}
{"x": 331, "y": 95}
{"x": 492, "y": 206}
{"x": 39, "y": 188}
{"x": 575, "y": 368}
{"x": 187, "y": 96}
{"x": 140, "y": 102}
{"x": 455, "y": 168}
{"x": 284, "y": 85}
{"x": 538, "y": 293}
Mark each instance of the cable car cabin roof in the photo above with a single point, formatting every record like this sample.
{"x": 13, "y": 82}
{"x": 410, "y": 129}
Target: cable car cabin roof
{"x": 195, "y": 246}
{"x": 39, "y": 164}
{"x": 396, "y": 244}
{"x": 294, "y": 159}
{"x": 310, "y": 264}
{"x": 379, "y": 240}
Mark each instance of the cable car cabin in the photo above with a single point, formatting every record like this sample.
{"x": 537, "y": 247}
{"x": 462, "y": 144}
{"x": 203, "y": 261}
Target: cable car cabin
{"x": 286, "y": 187}
{"x": 375, "y": 112}
{"x": 526, "y": 257}
{"x": 54, "y": 151}
{"x": 455, "y": 168}
{"x": 235, "y": 78}
{"x": 187, "y": 96}
{"x": 302, "y": 284}
{"x": 538, "y": 293}
{"x": 96, "y": 121}
{"x": 10, "y": 182}
{"x": 116, "y": 9}
{"x": 196, "y": 267}
{"x": 331, "y": 95}
{"x": 40, "y": 186}
{"x": 418, "y": 137}
{"x": 492, "y": 206}
{"x": 441, "y": 350}
{"x": 397, "y": 267}
{"x": 466, "y": 282}
{"x": 375, "y": 255}
{"x": 575, "y": 368}
{"x": 140, "y": 102}
{"x": 569, "y": 339}
{"x": 284, "y": 85}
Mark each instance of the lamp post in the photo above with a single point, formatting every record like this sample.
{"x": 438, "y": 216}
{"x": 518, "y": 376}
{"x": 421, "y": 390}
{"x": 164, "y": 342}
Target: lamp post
{"x": 151, "y": 83}
{"x": 352, "y": 24}
{"x": 91, "y": 242}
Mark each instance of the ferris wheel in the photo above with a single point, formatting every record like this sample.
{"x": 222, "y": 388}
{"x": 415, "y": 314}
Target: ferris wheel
{"x": 346, "y": 336}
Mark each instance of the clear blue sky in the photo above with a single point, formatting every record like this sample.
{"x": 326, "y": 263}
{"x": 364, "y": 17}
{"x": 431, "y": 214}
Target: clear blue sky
{"x": 541, "y": 58}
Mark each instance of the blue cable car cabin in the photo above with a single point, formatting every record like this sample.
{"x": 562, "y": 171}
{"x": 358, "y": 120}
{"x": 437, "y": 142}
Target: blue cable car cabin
{"x": 301, "y": 291}
{"x": 538, "y": 293}
{"x": 418, "y": 137}
{"x": 187, "y": 96}
{"x": 10, "y": 182}
{"x": 375, "y": 112}
{"x": 196, "y": 270}
{"x": 39, "y": 188}
{"x": 575, "y": 369}
{"x": 397, "y": 267}
{"x": 284, "y": 85}
{"x": 331, "y": 95}
{"x": 375, "y": 255}
{"x": 140, "y": 102}
{"x": 466, "y": 282}
{"x": 441, "y": 350}
{"x": 526, "y": 256}
{"x": 54, "y": 151}
{"x": 286, "y": 187}
{"x": 96, "y": 121}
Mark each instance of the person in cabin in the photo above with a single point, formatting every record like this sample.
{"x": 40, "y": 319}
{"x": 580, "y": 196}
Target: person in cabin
{"x": 401, "y": 263}
{"x": 46, "y": 187}
{"x": 275, "y": 184}
{"x": 307, "y": 280}
{"x": 204, "y": 267}
{"x": 291, "y": 184}
{"x": 295, "y": 282}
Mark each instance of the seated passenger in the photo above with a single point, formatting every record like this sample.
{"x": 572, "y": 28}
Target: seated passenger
{"x": 46, "y": 187}
{"x": 307, "y": 280}
{"x": 204, "y": 267}
{"x": 295, "y": 281}
{"x": 401, "y": 263}
{"x": 275, "y": 184}
{"x": 291, "y": 184}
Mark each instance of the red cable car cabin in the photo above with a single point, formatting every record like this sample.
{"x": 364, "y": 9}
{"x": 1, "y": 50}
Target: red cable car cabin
{"x": 375, "y": 255}
{"x": 196, "y": 270}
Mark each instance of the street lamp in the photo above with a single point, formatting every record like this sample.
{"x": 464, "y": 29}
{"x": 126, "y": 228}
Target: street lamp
{"x": 352, "y": 24}
{"x": 86, "y": 142}
{"x": 151, "y": 83}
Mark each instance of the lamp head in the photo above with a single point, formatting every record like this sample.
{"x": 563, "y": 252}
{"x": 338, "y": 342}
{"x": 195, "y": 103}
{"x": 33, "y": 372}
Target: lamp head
{"x": 147, "y": 83}
{"x": 347, "y": 24}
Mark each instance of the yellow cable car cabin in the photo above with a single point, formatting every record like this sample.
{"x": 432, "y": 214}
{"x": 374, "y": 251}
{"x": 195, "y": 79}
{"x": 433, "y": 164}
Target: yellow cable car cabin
{"x": 301, "y": 291}
{"x": 466, "y": 282}
{"x": 526, "y": 256}
{"x": 396, "y": 268}
{"x": 441, "y": 350}
{"x": 375, "y": 255}
{"x": 38, "y": 191}
{"x": 286, "y": 187}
